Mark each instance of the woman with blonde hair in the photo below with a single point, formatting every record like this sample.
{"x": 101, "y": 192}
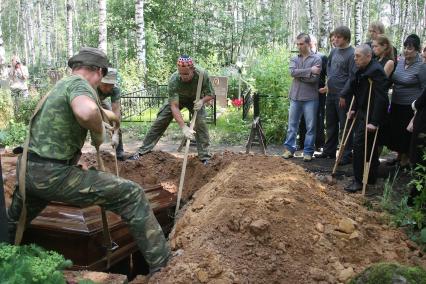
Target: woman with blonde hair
{"x": 383, "y": 50}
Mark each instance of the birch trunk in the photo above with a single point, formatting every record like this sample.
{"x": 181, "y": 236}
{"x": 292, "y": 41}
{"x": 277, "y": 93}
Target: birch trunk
{"x": 102, "y": 26}
{"x": 140, "y": 36}
{"x": 69, "y": 29}
{"x": 41, "y": 42}
{"x": 48, "y": 32}
{"x": 358, "y": 22}
{"x": 325, "y": 25}
{"x": 2, "y": 51}
{"x": 403, "y": 23}
{"x": 30, "y": 9}
{"x": 310, "y": 16}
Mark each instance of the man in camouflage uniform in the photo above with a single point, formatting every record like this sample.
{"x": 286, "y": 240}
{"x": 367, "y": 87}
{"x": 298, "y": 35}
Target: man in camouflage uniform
{"x": 182, "y": 94}
{"x": 108, "y": 89}
{"x": 57, "y": 135}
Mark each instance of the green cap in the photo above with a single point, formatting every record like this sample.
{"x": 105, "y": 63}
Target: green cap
{"x": 110, "y": 77}
{"x": 90, "y": 56}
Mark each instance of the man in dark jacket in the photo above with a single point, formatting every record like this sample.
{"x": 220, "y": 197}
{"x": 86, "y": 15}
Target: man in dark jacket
{"x": 369, "y": 73}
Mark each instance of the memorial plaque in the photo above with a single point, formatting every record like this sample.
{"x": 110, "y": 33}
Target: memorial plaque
{"x": 220, "y": 86}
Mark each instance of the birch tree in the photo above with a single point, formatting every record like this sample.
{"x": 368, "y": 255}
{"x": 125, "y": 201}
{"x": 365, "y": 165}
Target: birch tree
{"x": 358, "y": 22}
{"x": 48, "y": 32}
{"x": 325, "y": 24}
{"x": 102, "y": 26}
{"x": 310, "y": 15}
{"x": 69, "y": 28}
{"x": 140, "y": 35}
{"x": 2, "y": 51}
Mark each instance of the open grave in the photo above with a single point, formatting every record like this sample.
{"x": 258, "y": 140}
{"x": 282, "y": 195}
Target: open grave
{"x": 262, "y": 219}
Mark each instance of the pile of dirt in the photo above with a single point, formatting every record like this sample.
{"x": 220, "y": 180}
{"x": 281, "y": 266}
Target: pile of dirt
{"x": 265, "y": 220}
{"x": 151, "y": 169}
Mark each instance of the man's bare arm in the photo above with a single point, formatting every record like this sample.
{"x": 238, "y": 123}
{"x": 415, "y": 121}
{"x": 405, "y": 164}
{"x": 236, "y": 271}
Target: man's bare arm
{"x": 87, "y": 113}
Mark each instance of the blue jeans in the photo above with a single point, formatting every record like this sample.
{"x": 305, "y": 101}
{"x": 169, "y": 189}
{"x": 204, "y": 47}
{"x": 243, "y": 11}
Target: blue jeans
{"x": 309, "y": 111}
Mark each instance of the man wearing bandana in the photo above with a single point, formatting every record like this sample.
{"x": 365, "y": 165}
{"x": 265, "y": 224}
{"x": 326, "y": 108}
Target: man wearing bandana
{"x": 182, "y": 94}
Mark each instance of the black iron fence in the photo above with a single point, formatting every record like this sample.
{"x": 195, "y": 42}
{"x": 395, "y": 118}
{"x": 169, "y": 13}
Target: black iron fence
{"x": 143, "y": 105}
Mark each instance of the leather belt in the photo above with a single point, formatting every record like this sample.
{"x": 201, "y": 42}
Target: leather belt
{"x": 36, "y": 158}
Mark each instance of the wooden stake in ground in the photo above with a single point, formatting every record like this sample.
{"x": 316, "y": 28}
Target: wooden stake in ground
{"x": 185, "y": 158}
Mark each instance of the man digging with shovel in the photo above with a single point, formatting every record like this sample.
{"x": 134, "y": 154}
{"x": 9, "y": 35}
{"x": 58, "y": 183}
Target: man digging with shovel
{"x": 182, "y": 94}
{"x": 369, "y": 87}
{"x": 48, "y": 171}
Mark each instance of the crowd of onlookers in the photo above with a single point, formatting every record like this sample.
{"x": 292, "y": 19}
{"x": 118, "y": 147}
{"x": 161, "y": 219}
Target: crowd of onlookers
{"x": 346, "y": 87}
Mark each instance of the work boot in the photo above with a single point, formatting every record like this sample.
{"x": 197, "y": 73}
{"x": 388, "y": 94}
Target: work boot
{"x": 287, "y": 154}
{"x": 354, "y": 187}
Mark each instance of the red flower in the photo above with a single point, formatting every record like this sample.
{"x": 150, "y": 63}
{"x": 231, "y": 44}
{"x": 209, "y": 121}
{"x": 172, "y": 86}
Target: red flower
{"x": 237, "y": 102}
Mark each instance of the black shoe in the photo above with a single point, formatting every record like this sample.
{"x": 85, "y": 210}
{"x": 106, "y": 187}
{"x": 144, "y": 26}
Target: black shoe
{"x": 205, "y": 162}
{"x": 345, "y": 161}
{"x": 354, "y": 187}
{"x": 134, "y": 157}
{"x": 324, "y": 156}
{"x": 120, "y": 156}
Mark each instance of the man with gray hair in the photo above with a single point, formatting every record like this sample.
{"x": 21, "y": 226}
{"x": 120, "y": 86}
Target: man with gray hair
{"x": 371, "y": 106}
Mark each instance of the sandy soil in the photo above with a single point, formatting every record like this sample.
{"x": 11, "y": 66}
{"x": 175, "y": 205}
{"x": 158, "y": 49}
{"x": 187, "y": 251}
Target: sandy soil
{"x": 260, "y": 219}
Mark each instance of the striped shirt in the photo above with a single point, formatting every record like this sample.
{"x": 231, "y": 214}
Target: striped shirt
{"x": 408, "y": 83}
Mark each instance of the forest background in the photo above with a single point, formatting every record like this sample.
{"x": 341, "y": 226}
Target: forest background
{"x": 143, "y": 39}
{"x": 149, "y": 35}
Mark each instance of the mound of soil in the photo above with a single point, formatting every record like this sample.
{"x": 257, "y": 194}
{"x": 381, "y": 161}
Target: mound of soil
{"x": 265, "y": 220}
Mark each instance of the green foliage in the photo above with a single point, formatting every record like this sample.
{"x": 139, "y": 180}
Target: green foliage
{"x": 271, "y": 78}
{"x": 31, "y": 264}
{"x": 130, "y": 76}
{"x": 26, "y": 109}
{"x": 230, "y": 128}
{"x": 388, "y": 273}
{"x": 419, "y": 183}
{"x": 14, "y": 134}
{"x": 6, "y": 107}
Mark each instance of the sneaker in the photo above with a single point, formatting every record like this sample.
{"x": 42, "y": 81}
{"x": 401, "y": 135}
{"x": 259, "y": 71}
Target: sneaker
{"x": 324, "y": 156}
{"x": 354, "y": 187}
{"x": 135, "y": 157}
{"x": 307, "y": 158}
{"x": 287, "y": 154}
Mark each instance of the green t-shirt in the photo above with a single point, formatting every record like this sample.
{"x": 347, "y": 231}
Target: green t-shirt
{"x": 114, "y": 94}
{"x": 55, "y": 132}
{"x": 185, "y": 92}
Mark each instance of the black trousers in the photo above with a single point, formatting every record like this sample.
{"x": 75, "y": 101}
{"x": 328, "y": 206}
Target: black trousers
{"x": 320, "y": 135}
{"x": 335, "y": 119}
{"x": 358, "y": 155}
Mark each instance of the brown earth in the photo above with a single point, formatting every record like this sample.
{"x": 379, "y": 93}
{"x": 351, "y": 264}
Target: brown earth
{"x": 265, "y": 220}
{"x": 261, "y": 219}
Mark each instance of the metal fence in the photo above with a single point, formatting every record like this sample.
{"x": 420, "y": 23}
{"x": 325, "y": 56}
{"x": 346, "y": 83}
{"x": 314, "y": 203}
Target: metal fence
{"x": 143, "y": 105}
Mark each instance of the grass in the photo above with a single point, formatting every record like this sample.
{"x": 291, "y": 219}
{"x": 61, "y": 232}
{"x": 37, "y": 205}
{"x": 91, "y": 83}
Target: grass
{"x": 230, "y": 129}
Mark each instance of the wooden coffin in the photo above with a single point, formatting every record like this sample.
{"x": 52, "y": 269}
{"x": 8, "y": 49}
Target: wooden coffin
{"x": 77, "y": 232}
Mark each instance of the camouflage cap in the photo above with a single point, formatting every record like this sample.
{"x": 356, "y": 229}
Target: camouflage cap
{"x": 110, "y": 77}
{"x": 90, "y": 56}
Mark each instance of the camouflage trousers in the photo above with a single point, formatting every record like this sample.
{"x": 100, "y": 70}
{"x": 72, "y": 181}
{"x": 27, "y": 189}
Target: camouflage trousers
{"x": 164, "y": 117}
{"x": 48, "y": 181}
